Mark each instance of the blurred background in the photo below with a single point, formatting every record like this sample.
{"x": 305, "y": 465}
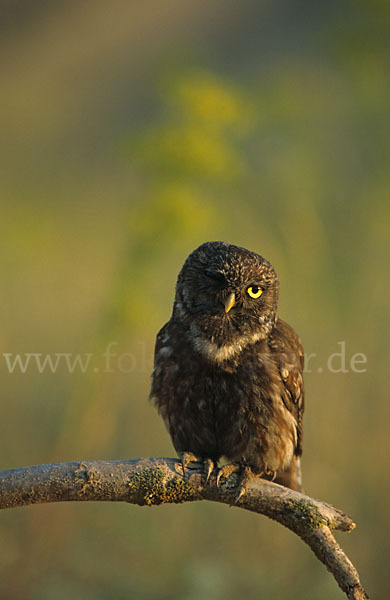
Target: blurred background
{"x": 131, "y": 133}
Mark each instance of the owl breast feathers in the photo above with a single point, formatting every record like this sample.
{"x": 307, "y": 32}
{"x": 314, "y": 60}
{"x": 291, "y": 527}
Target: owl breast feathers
{"x": 228, "y": 373}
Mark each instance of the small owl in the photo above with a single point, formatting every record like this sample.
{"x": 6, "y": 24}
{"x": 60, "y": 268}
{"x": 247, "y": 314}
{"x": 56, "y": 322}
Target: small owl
{"x": 227, "y": 378}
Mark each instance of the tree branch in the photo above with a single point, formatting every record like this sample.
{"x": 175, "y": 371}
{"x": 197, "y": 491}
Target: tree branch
{"x": 153, "y": 481}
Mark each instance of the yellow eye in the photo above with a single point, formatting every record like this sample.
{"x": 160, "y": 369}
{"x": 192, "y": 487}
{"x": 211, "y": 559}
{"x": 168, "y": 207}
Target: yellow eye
{"x": 254, "y": 291}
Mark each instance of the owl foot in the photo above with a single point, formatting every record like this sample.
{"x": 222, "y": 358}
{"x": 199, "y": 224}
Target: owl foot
{"x": 227, "y": 470}
{"x": 188, "y": 457}
{"x": 246, "y": 476}
{"x": 270, "y": 473}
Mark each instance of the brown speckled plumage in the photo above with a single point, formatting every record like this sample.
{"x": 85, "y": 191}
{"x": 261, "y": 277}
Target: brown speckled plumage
{"x": 228, "y": 383}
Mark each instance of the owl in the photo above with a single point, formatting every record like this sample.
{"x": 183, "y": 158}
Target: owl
{"x": 227, "y": 376}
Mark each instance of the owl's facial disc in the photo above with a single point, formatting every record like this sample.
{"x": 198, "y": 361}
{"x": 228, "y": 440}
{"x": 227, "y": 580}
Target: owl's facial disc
{"x": 227, "y": 297}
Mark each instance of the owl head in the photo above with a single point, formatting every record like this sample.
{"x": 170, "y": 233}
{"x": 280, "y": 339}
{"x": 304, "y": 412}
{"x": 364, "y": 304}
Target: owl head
{"x": 226, "y": 297}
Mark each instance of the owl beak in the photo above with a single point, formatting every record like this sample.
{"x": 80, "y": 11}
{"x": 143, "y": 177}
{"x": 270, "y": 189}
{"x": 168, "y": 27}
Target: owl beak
{"x": 230, "y": 302}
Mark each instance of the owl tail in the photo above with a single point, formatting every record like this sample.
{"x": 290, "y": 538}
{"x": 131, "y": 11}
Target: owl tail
{"x": 292, "y": 476}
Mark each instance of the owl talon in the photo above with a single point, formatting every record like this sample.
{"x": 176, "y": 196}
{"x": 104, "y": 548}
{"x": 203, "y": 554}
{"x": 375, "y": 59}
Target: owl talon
{"x": 246, "y": 477}
{"x": 188, "y": 457}
{"x": 208, "y": 468}
{"x": 270, "y": 473}
{"x": 226, "y": 471}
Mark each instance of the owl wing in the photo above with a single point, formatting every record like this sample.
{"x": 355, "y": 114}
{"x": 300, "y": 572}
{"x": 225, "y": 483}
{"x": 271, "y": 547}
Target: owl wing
{"x": 158, "y": 394}
{"x": 288, "y": 354}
